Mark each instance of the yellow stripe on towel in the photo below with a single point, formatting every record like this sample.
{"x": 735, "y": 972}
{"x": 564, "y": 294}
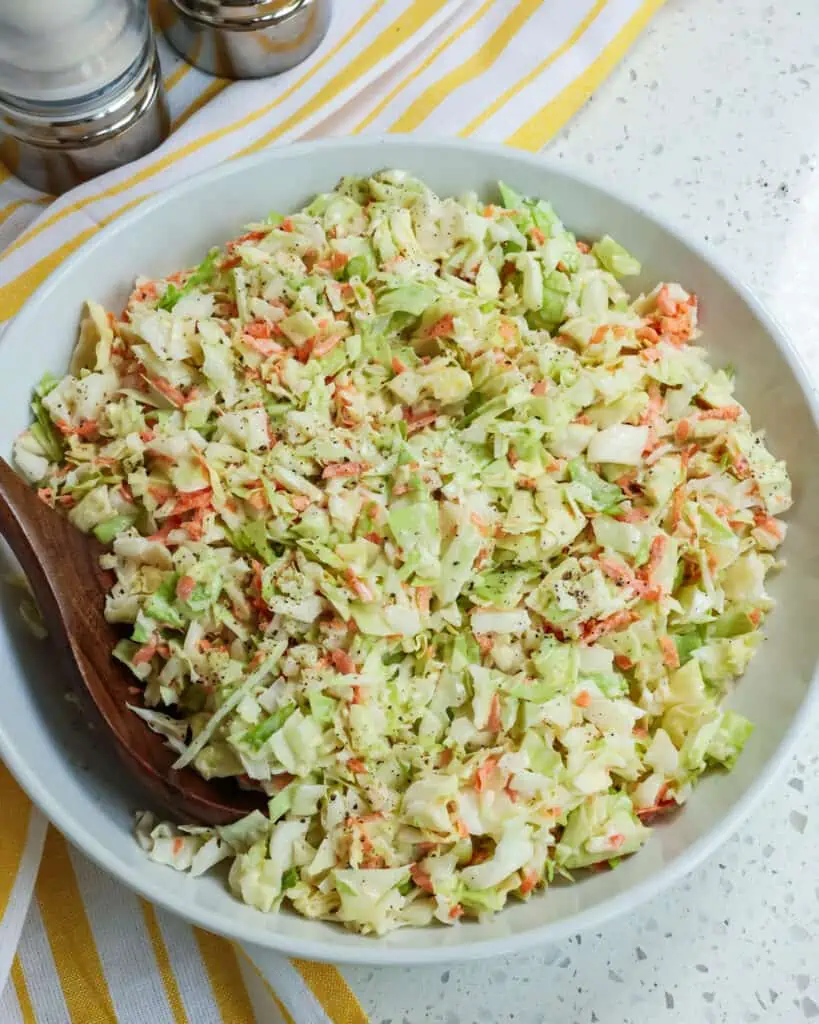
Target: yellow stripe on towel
{"x": 85, "y": 989}
{"x": 219, "y": 958}
{"x": 332, "y": 991}
{"x": 543, "y": 125}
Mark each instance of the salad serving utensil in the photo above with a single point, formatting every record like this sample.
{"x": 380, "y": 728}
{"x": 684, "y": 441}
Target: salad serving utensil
{"x": 63, "y": 570}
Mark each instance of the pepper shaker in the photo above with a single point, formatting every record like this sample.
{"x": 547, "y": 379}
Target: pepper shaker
{"x": 245, "y": 38}
{"x": 80, "y": 89}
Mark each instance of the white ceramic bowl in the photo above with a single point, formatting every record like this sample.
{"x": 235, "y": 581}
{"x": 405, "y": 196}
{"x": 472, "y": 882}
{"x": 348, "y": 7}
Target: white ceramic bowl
{"x": 82, "y": 789}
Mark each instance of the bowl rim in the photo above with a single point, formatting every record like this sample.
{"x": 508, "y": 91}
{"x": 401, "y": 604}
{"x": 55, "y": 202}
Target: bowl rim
{"x": 380, "y": 953}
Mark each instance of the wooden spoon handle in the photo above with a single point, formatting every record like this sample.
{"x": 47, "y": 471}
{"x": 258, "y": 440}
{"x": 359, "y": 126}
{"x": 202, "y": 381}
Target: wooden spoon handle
{"x": 27, "y": 535}
{"x": 44, "y": 542}
{"x": 62, "y": 566}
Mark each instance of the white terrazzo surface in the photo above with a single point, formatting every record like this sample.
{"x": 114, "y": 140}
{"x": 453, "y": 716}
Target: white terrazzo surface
{"x": 713, "y": 118}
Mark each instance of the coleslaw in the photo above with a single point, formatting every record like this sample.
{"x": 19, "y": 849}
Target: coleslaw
{"x": 425, "y": 527}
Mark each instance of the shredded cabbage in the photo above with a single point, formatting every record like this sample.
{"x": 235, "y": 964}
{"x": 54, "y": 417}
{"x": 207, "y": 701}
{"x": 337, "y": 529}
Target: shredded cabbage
{"x": 428, "y": 530}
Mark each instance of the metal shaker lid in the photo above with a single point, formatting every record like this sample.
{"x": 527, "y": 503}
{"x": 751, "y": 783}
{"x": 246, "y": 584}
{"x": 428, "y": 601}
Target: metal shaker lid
{"x": 245, "y": 38}
{"x": 237, "y": 14}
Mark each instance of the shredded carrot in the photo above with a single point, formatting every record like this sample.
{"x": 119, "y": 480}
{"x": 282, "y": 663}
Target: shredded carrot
{"x": 146, "y": 653}
{"x": 623, "y": 662}
{"x": 456, "y": 912}
{"x": 397, "y": 366}
{"x": 322, "y": 348}
{"x": 337, "y": 261}
{"x": 687, "y": 455}
{"x": 251, "y": 236}
{"x": 662, "y": 806}
{"x": 656, "y": 552}
{"x": 264, "y": 346}
{"x": 441, "y": 328}
{"x": 193, "y": 499}
{"x": 359, "y": 587}
{"x": 337, "y": 469}
{"x": 768, "y": 524}
{"x": 260, "y": 329}
{"x": 423, "y": 596}
{"x": 416, "y": 423}
{"x": 583, "y": 699}
{"x": 185, "y": 587}
{"x": 483, "y": 527}
{"x": 174, "y": 395}
{"x": 540, "y": 388}
{"x": 671, "y": 658}
{"x": 257, "y": 500}
{"x": 160, "y": 494}
{"x": 648, "y": 334}
{"x": 357, "y": 766}
{"x": 617, "y": 571}
{"x": 171, "y": 523}
{"x": 485, "y": 642}
{"x": 682, "y": 431}
{"x": 507, "y": 330}
{"x": 493, "y": 722}
{"x": 528, "y": 882}
{"x": 595, "y": 628}
{"x": 655, "y": 404}
{"x": 727, "y": 412}
{"x": 483, "y": 773}
{"x": 677, "y": 503}
{"x": 632, "y": 515}
{"x": 741, "y": 466}
{"x": 479, "y": 856}
{"x": 537, "y": 236}
{"x": 145, "y": 291}
{"x": 342, "y": 662}
{"x": 665, "y": 304}
{"x": 628, "y": 483}
{"x": 421, "y": 878}
{"x": 86, "y": 429}
{"x": 195, "y": 528}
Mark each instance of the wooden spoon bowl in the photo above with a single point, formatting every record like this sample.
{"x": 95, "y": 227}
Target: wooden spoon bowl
{"x": 62, "y": 566}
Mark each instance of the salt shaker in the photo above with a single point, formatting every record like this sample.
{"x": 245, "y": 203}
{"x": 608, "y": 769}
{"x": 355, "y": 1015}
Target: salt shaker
{"x": 80, "y": 89}
{"x": 245, "y": 38}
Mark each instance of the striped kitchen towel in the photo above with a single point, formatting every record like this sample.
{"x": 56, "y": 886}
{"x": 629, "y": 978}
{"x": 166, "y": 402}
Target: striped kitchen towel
{"x": 75, "y": 946}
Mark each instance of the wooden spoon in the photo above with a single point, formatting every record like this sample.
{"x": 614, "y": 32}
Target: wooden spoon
{"x": 62, "y": 566}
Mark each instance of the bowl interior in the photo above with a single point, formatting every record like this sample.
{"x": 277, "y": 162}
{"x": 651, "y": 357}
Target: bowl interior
{"x": 81, "y": 786}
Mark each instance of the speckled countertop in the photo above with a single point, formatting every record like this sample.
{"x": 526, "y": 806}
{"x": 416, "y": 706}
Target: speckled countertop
{"x": 713, "y": 118}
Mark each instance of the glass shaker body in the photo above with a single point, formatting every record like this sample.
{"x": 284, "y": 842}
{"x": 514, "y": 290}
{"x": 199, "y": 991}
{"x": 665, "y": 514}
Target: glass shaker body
{"x": 80, "y": 89}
